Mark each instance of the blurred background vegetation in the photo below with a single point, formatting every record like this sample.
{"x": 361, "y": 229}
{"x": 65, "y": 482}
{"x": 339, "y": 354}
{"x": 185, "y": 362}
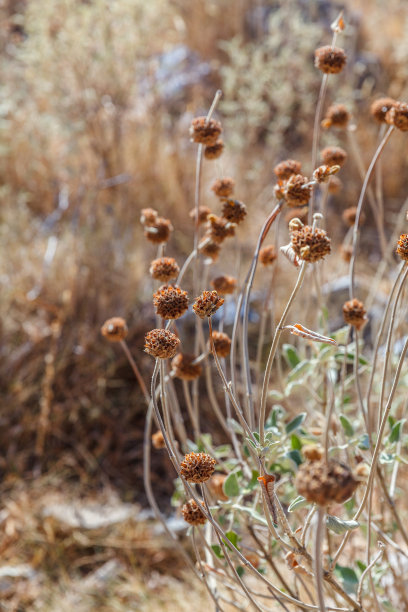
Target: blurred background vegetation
{"x": 96, "y": 100}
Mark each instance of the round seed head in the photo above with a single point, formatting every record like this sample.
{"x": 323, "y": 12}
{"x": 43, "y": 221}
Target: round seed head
{"x": 224, "y": 284}
{"x": 216, "y": 486}
{"x": 170, "y": 302}
{"x": 349, "y": 216}
{"x": 223, "y": 187}
{"x": 234, "y": 211}
{"x": 285, "y": 169}
{"x": 184, "y": 368}
{"x": 214, "y": 151}
{"x": 197, "y": 467}
{"x": 222, "y": 343}
{"x": 402, "y": 247}
{"x": 203, "y": 212}
{"x": 220, "y": 229}
{"x": 207, "y": 304}
{"x": 354, "y": 313}
{"x": 158, "y": 440}
{"x": 310, "y": 245}
{"x": 337, "y": 116}
{"x": 159, "y": 231}
{"x": 296, "y": 190}
{"x": 164, "y": 269}
{"x": 192, "y": 513}
{"x": 398, "y": 116}
{"x": 210, "y": 249}
{"x": 205, "y": 132}
{"x": 323, "y": 483}
{"x": 114, "y": 329}
{"x": 313, "y": 452}
{"x": 253, "y": 559}
{"x": 335, "y": 185}
{"x": 161, "y": 343}
{"x": 379, "y": 108}
{"x": 333, "y": 156}
{"x": 330, "y": 60}
{"x": 267, "y": 255}
{"x": 148, "y": 216}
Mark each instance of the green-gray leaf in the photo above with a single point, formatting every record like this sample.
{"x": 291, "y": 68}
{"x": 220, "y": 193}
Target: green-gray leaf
{"x": 231, "y": 486}
{"x": 295, "y": 423}
{"x": 347, "y": 426}
{"x": 340, "y": 526}
{"x": 396, "y": 431}
{"x": 299, "y": 502}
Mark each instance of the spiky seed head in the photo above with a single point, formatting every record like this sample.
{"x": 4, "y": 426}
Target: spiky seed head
{"x": 322, "y": 174}
{"x": 164, "y": 269}
{"x": 148, "y": 216}
{"x": 402, "y": 247}
{"x": 224, "y": 285}
{"x": 310, "y": 245}
{"x": 220, "y": 229}
{"x": 285, "y": 169}
{"x": 170, "y": 302}
{"x": 197, "y": 467}
{"x": 324, "y": 483}
{"x": 335, "y": 185}
{"x": 192, "y": 513}
{"x": 158, "y": 440}
{"x": 349, "y": 216}
{"x": 334, "y": 156}
{"x": 313, "y": 452}
{"x": 337, "y": 116}
{"x": 379, "y": 108}
{"x": 398, "y": 116}
{"x": 223, "y": 187}
{"x": 161, "y": 343}
{"x": 209, "y": 248}
{"x": 205, "y": 132}
{"x": 114, "y": 329}
{"x": 267, "y": 255}
{"x": 216, "y": 486}
{"x": 330, "y": 60}
{"x": 214, "y": 151}
{"x": 354, "y": 313}
{"x": 203, "y": 212}
{"x": 222, "y": 343}
{"x": 297, "y": 191}
{"x": 184, "y": 368}
{"x": 159, "y": 231}
{"x": 207, "y": 304}
{"x": 234, "y": 211}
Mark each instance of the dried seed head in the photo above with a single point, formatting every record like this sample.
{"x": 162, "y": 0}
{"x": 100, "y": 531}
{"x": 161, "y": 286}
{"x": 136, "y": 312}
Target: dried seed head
{"x": 349, "y": 216}
{"x": 299, "y": 214}
{"x": 310, "y": 245}
{"x": 295, "y": 224}
{"x": 354, "y": 313}
{"x": 197, "y": 467}
{"x": 287, "y": 168}
{"x": 205, "y": 132}
{"x": 333, "y": 156}
{"x": 216, "y": 485}
{"x": 170, "y": 302}
{"x": 161, "y": 343}
{"x": 335, "y": 184}
{"x": 220, "y": 229}
{"x": 222, "y": 343}
{"x": 223, "y": 187}
{"x": 164, "y": 269}
{"x": 337, "y": 116}
{"x": 114, "y": 329}
{"x": 362, "y": 471}
{"x": 214, "y": 151}
{"x": 398, "y": 116}
{"x": 158, "y": 440}
{"x": 224, "y": 284}
{"x": 253, "y": 559}
{"x": 234, "y": 211}
{"x": 148, "y": 216}
{"x": 323, "y": 483}
{"x": 322, "y": 174}
{"x": 330, "y": 60}
{"x": 379, "y": 108}
{"x": 346, "y": 252}
{"x": 296, "y": 190}
{"x": 184, "y": 368}
{"x": 313, "y": 452}
{"x": 267, "y": 255}
{"x": 159, "y": 231}
{"x": 203, "y": 212}
{"x": 207, "y": 304}
{"x": 210, "y": 249}
{"x": 192, "y": 513}
{"x": 402, "y": 247}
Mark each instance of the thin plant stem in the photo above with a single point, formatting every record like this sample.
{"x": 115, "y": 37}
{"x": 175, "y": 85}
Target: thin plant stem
{"x": 136, "y": 371}
{"x": 366, "y": 572}
{"x": 317, "y": 558}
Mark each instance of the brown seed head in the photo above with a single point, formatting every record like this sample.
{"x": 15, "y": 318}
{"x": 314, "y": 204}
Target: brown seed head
{"x": 253, "y": 559}
{"x": 205, "y": 132}
{"x": 197, "y": 467}
{"x": 349, "y": 216}
{"x": 148, "y": 216}
{"x": 402, "y": 247}
{"x": 296, "y": 190}
{"x": 313, "y": 452}
{"x": 220, "y": 229}
{"x": 223, "y": 187}
{"x": 164, "y": 269}
{"x": 159, "y": 231}
{"x": 216, "y": 486}
{"x": 184, "y": 368}
{"x": 333, "y": 156}
{"x": 192, "y": 513}
{"x": 234, "y": 211}
{"x": 170, "y": 302}
{"x": 114, "y": 329}
{"x": 158, "y": 440}
{"x": 222, "y": 343}
{"x": 335, "y": 184}
{"x": 214, "y": 151}
{"x": 323, "y": 483}
{"x": 203, "y": 212}
{"x": 287, "y": 168}
{"x": 207, "y": 304}
{"x": 398, "y": 116}
{"x": 210, "y": 249}
{"x": 346, "y": 252}
{"x": 267, "y": 255}
{"x": 161, "y": 343}
{"x": 224, "y": 285}
{"x": 322, "y": 174}
{"x": 379, "y": 108}
{"x": 337, "y": 116}
{"x": 330, "y": 60}
{"x": 354, "y": 313}
{"x": 310, "y": 245}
